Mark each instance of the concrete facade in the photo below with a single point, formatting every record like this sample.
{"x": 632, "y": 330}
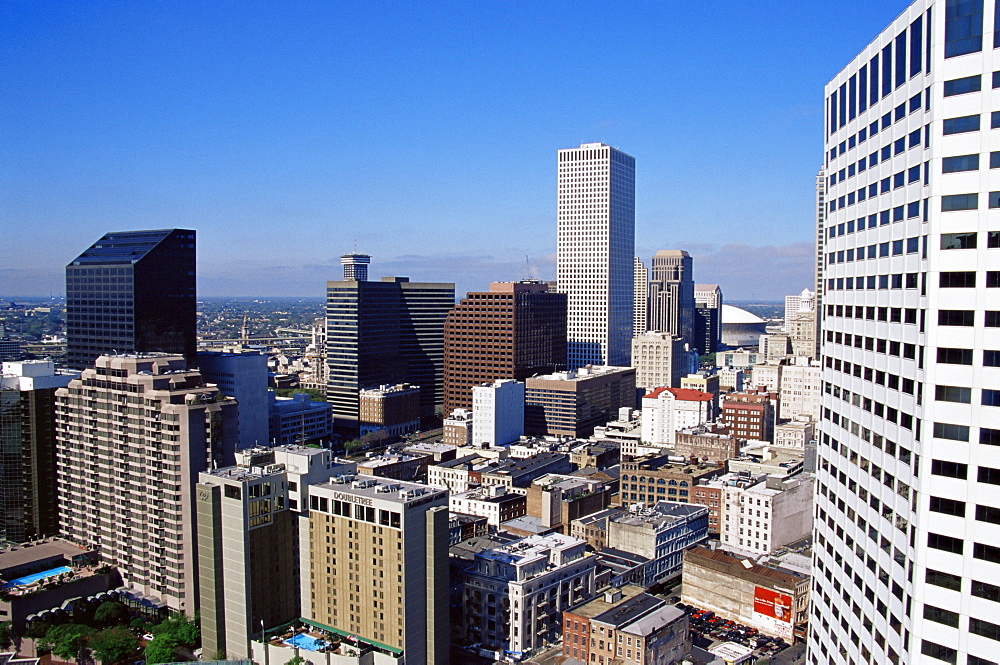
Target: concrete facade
{"x": 514, "y": 595}
{"x": 595, "y": 250}
{"x": 498, "y": 412}
{"x": 242, "y": 376}
{"x": 394, "y": 409}
{"x": 556, "y": 500}
{"x": 573, "y": 403}
{"x": 774, "y": 601}
{"x": 762, "y": 515}
{"x": 665, "y": 411}
{"x": 801, "y": 388}
{"x": 496, "y": 503}
{"x": 133, "y": 433}
{"x": 710, "y": 442}
{"x": 659, "y": 533}
{"x": 660, "y": 359}
{"x": 376, "y": 552}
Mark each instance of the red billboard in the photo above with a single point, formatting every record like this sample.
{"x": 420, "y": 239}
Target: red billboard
{"x": 773, "y": 604}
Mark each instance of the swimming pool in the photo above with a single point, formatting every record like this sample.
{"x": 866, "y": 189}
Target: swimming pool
{"x": 306, "y": 641}
{"x": 28, "y": 579}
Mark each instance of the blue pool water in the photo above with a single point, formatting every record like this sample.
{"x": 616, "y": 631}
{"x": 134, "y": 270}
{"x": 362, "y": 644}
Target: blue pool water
{"x": 306, "y": 641}
{"x": 28, "y": 579}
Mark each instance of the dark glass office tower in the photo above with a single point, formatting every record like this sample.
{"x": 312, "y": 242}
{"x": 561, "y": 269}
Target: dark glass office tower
{"x": 132, "y": 292}
{"x": 385, "y": 332}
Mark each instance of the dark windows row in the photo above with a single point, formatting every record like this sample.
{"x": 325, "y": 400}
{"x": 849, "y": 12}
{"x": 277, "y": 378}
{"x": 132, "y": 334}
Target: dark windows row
{"x": 954, "y": 545}
{"x": 969, "y": 240}
{"x": 963, "y": 395}
{"x": 872, "y": 282}
{"x": 875, "y": 251}
{"x": 888, "y": 347}
{"x": 956, "y": 508}
{"x": 960, "y": 471}
{"x": 956, "y": 356}
{"x": 904, "y": 58}
{"x": 969, "y": 123}
{"x": 987, "y": 436}
{"x": 884, "y": 186}
{"x": 967, "y": 318}
{"x": 953, "y": 582}
{"x": 897, "y": 147}
{"x": 966, "y": 279}
{"x": 891, "y": 314}
{"x": 961, "y": 163}
{"x": 875, "y": 376}
{"x": 897, "y": 214}
{"x": 963, "y": 27}
{"x": 955, "y": 202}
{"x": 884, "y": 122}
{"x": 879, "y": 410}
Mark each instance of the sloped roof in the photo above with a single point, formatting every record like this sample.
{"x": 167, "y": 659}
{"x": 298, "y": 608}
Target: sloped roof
{"x": 732, "y": 314}
{"x": 682, "y": 394}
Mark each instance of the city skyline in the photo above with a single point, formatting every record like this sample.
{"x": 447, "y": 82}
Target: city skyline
{"x": 280, "y": 167}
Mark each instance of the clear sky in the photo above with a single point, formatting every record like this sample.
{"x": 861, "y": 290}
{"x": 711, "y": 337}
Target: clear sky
{"x": 424, "y": 131}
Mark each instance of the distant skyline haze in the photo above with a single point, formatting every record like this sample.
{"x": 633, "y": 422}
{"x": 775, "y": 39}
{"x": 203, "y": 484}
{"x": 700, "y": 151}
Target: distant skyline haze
{"x": 427, "y": 133}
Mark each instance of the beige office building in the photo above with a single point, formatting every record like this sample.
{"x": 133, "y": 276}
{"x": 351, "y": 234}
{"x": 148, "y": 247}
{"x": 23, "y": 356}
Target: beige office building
{"x": 249, "y": 516}
{"x": 376, "y": 552}
{"x": 133, "y": 433}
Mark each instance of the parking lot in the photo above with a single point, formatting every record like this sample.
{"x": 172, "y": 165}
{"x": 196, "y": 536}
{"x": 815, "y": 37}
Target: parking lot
{"x": 707, "y": 630}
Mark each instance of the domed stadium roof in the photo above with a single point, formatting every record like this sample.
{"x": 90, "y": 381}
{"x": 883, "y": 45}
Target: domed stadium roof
{"x": 735, "y": 315}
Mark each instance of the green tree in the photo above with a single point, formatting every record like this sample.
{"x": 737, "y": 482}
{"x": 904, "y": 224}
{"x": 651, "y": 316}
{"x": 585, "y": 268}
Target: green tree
{"x": 6, "y": 635}
{"x": 298, "y": 660}
{"x": 113, "y": 644}
{"x": 111, "y": 613}
{"x": 162, "y": 649}
{"x": 66, "y": 640}
{"x": 179, "y": 629}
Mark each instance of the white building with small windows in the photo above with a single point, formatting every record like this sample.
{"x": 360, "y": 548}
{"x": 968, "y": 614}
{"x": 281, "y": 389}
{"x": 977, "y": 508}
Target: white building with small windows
{"x": 595, "y": 252}
{"x": 799, "y": 389}
{"x": 909, "y": 344}
{"x": 513, "y": 596}
{"x": 763, "y": 513}
{"x": 665, "y": 411}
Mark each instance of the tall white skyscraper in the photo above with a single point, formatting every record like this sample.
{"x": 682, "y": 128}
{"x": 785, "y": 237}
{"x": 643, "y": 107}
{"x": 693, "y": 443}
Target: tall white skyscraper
{"x": 907, "y": 532}
{"x": 595, "y": 252}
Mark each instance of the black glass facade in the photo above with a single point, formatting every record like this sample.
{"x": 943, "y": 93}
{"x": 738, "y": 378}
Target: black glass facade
{"x": 132, "y": 292}
{"x": 385, "y": 332}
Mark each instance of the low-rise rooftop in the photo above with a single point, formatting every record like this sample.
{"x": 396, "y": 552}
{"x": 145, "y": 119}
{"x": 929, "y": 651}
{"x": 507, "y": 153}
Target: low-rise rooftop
{"x": 383, "y": 489}
{"x": 663, "y": 514}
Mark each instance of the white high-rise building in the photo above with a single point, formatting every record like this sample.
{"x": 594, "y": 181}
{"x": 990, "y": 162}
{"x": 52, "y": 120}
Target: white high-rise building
{"x": 498, "y": 412}
{"x": 595, "y": 251}
{"x": 907, "y": 527}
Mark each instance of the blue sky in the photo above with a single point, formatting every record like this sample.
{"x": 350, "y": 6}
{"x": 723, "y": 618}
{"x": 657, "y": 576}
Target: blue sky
{"x": 425, "y": 131}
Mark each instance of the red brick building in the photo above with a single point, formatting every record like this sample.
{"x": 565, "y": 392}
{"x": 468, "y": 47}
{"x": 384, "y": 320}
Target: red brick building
{"x": 750, "y": 414}
{"x": 513, "y": 331}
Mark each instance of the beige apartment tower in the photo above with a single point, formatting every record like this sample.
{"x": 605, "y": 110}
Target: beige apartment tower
{"x": 132, "y": 435}
{"x": 376, "y": 552}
